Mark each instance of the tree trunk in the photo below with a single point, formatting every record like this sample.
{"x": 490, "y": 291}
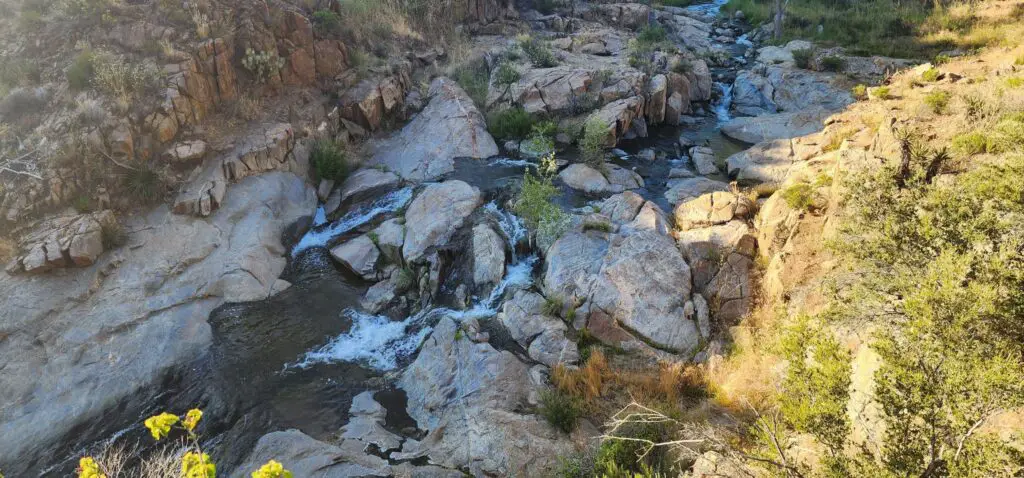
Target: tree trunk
{"x": 780, "y": 11}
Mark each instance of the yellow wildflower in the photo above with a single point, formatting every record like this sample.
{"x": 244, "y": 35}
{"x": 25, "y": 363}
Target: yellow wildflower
{"x": 192, "y": 418}
{"x": 160, "y": 425}
{"x": 272, "y": 469}
{"x": 197, "y": 465}
{"x": 87, "y": 468}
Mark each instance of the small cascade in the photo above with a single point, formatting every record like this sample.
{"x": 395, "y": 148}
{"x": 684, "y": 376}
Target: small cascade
{"x": 724, "y": 103}
{"x": 320, "y": 217}
{"x": 511, "y": 227}
{"x": 320, "y": 235}
{"x": 380, "y": 343}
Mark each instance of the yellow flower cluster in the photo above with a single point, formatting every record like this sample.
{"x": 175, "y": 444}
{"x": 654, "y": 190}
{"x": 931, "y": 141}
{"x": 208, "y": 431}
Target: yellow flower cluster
{"x": 87, "y": 468}
{"x": 192, "y": 419}
{"x": 197, "y": 465}
{"x": 160, "y": 425}
{"x": 272, "y": 469}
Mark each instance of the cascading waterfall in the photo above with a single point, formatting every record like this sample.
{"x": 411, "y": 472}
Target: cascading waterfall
{"x": 380, "y": 343}
{"x": 320, "y": 236}
{"x": 724, "y": 102}
{"x": 320, "y": 217}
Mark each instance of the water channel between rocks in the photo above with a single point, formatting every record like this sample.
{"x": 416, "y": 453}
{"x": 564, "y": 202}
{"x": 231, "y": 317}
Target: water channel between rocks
{"x": 296, "y": 359}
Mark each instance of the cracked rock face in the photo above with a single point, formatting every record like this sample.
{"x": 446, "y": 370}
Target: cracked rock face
{"x": 76, "y": 344}
{"x": 449, "y": 127}
{"x": 65, "y": 241}
{"x": 434, "y": 216}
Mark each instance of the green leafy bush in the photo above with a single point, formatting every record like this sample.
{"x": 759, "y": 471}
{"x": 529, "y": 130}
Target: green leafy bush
{"x": 799, "y": 196}
{"x": 559, "y": 409}
{"x": 652, "y": 34}
{"x": 535, "y": 205}
{"x": 262, "y": 64}
{"x": 513, "y": 123}
{"x": 538, "y": 52}
{"x": 974, "y": 106}
{"x": 81, "y": 71}
{"x": 860, "y": 92}
{"x": 880, "y": 92}
{"x": 600, "y": 226}
{"x": 931, "y": 75}
{"x": 832, "y": 63}
{"x": 803, "y": 58}
{"x": 326, "y": 22}
{"x": 969, "y": 144}
{"x": 937, "y": 101}
{"x": 473, "y": 77}
{"x": 592, "y": 145}
{"x": 506, "y": 74}
{"x": 1007, "y": 135}
{"x": 553, "y": 306}
{"x": 144, "y": 183}
{"x": 125, "y": 81}
{"x": 329, "y": 160}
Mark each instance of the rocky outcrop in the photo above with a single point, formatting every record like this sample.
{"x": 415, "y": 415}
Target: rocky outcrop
{"x": 83, "y": 341}
{"x": 557, "y": 90}
{"x": 591, "y": 181}
{"x": 359, "y": 185}
{"x": 435, "y": 214}
{"x": 450, "y": 127}
{"x": 618, "y": 117}
{"x": 755, "y": 129}
{"x": 374, "y": 102}
{"x": 771, "y": 161}
{"x": 65, "y": 241}
{"x": 684, "y": 189}
{"x": 543, "y": 337}
{"x": 712, "y": 209}
{"x": 488, "y": 256}
{"x": 271, "y": 148}
{"x": 359, "y": 255}
{"x": 636, "y": 278}
{"x": 468, "y": 397}
{"x": 704, "y": 161}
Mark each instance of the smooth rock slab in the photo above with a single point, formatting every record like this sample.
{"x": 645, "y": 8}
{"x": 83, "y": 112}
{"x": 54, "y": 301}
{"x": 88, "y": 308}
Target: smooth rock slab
{"x": 488, "y": 256}
{"x": 359, "y": 255}
{"x": 435, "y": 214}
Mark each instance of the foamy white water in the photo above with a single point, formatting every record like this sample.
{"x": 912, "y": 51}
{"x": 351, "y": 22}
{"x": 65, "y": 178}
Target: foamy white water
{"x": 380, "y": 343}
{"x": 320, "y": 217}
{"x": 320, "y": 236}
{"x": 518, "y": 163}
{"x": 721, "y": 107}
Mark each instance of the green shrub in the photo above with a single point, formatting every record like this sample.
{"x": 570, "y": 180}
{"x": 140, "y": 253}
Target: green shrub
{"x": 262, "y": 64}
{"x": 931, "y": 75}
{"x": 651, "y": 35}
{"x": 1007, "y": 135}
{"x": 406, "y": 279}
{"x": 803, "y": 58}
{"x": 546, "y": 7}
{"x": 880, "y": 92}
{"x": 620, "y": 458}
{"x": 832, "y": 63}
{"x": 81, "y": 71}
{"x": 1015, "y": 82}
{"x": 473, "y": 77}
{"x": 559, "y": 409}
{"x": 112, "y": 234}
{"x": 592, "y": 145}
{"x": 1019, "y": 61}
{"x": 974, "y": 106}
{"x": 329, "y": 160}
{"x": 969, "y": 144}
{"x": 535, "y": 205}
{"x": 600, "y": 226}
{"x": 326, "y": 22}
{"x": 538, "y": 52}
{"x": 513, "y": 123}
{"x": 506, "y": 74}
{"x": 122, "y": 80}
{"x": 799, "y": 196}
{"x": 941, "y": 59}
{"x": 937, "y": 101}
{"x": 553, "y": 306}
{"x": 860, "y": 92}
{"x": 539, "y": 145}
{"x": 145, "y": 184}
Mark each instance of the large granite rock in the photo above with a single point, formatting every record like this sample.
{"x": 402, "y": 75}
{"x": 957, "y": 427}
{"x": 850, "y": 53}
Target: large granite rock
{"x": 771, "y": 161}
{"x": 636, "y": 277}
{"x": 77, "y": 344}
{"x": 543, "y": 337}
{"x": 366, "y": 181}
{"x": 589, "y": 180}
{"x": 712, "y": 209}
{"x": 435, "y": 214}
{"x": 469, "y": 397}
{"x": 488, "y": 256}
{"x": 359, "y": 255}
{"x": 755, "y": 129}
{"x": 684, "y": 189}
{"x": 618, "y": 117}
{"x": 546, "y": 90}
{"x": 449, "y": 127}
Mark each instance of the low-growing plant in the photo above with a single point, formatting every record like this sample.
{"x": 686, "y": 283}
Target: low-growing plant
{"x": 512, "y": 123}
{"x": 1015, "y": 82}
{"x": 880, "y": 92}
{"x": 860, "y": 92}
{"x": 974, "y": 106}
{"x": 600, "y": 226}
{"x": 113, "y": 234}
{"x": 937, "y": 101}
{"x": 144, "y": 183}
{"x": 651, "y": 34}
{"x": 970, "y": 144}
{"x": 559, "y": 409}
{"x": 329, "y": 160}
{"x": 473, "y": 77}
{"x": 537, "y": 51}
{"x": 406, "y": 279}
{"x": 799, "y": 196}
{"x": 81, "y": 71}
{"x": 803, "y": 58}
{"x": 125, "y": 81}
{"x": 506, "y": 74}
{"x": 1007, "y": 135}
{"x": 931, "y": 75}
{"x": 592, "y": 145}
{"x": 941, "y": 59}
{"x": 832, "y": 63}
{"x": 326, "y": 22}
{"x": 262, "y": 64}
{"x": 553, "y": 306}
